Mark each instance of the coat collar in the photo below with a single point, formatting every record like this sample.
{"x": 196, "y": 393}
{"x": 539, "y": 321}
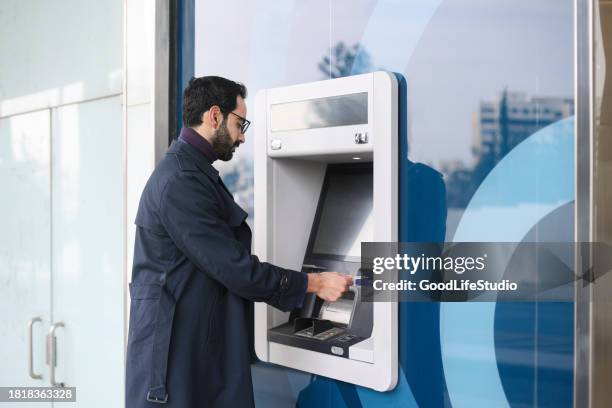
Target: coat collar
{"x": 192, "y": 137}
{"x": 180, "y": 147}
{"x": 192, "y": 160}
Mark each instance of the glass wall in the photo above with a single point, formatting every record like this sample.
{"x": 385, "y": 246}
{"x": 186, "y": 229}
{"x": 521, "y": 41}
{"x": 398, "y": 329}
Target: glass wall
{"x": 62, "y": 181}
{"x": 490, "y": 106}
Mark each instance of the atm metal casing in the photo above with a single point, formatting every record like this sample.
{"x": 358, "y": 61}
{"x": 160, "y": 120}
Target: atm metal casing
{"x": 290, "y": 163}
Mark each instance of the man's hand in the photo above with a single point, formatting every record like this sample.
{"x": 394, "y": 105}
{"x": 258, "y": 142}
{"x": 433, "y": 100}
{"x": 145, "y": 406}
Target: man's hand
{"x": 329, "y": 286}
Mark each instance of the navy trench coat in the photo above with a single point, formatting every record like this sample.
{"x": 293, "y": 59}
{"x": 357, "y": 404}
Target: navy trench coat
{"x": 193, "y": 284}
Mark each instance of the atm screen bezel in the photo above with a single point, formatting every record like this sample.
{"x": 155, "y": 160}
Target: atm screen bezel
{"x": 333, "y": 169}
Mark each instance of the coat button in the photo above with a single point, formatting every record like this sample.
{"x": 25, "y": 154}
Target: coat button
{"x": 284, "y": 282}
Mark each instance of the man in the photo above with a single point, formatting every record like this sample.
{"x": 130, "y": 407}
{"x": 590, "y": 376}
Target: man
{"x": 194, "y": 279}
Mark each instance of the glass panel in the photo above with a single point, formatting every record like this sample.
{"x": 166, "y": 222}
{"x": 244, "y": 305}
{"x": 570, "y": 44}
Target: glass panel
{"x": 88, "y": 248}
{"x": 490, "y": 104}
{"x": 25, "y": 241}
{"x": 48, "y": 74}
{"x": 318, "y": 113}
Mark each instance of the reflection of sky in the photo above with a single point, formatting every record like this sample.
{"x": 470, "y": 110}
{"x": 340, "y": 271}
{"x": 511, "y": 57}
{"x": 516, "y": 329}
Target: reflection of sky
{"x": 453, "y": 55}
{"x": 479, "y": 50}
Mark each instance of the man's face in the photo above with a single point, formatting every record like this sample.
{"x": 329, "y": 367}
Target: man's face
{"x": 228, "y": 137}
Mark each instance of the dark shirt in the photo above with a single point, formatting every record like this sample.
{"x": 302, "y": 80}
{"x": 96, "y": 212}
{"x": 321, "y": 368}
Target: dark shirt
{"x": 196, "y": 140}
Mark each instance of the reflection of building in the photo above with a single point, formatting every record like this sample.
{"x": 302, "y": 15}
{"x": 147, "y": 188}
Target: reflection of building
{"x": 502, "y": 124}
{"x": 499, "y": 126}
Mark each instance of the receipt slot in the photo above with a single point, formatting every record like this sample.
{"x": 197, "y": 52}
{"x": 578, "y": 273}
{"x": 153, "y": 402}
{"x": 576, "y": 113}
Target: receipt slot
{"x": 326, "y": 179}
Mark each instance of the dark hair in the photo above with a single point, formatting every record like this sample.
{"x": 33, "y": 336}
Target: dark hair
{"x": 204, "y": 92}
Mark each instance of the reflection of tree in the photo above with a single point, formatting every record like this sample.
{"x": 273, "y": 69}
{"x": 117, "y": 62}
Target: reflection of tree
{"x": 346, "y": 61}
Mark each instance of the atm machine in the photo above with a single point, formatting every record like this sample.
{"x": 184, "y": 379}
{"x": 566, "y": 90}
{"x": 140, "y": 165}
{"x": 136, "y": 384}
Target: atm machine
{"x": 326, "y": 179}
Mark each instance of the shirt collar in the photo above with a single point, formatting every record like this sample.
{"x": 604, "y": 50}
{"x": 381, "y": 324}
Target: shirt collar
{"x": 193, "y": 138}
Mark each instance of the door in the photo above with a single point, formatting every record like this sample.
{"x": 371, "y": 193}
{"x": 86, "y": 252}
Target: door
{"x": 88, "y": 249}
{"x": 25, "y": 251}
{"x": 62, "y": 250}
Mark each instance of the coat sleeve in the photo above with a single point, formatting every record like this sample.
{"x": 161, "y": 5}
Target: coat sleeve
{"x": 191, "y": 214}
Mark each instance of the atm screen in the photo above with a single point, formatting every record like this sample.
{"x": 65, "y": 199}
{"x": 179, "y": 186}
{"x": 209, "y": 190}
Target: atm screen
{"x": 345, "y": 213}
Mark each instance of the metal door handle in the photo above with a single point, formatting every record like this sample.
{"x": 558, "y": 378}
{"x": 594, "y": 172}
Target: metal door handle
{"x": 52, "y": 354}
{"x": 30, "y": 349}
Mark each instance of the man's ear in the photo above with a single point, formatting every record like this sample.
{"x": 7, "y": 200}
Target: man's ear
{"x": 214, "y": 116}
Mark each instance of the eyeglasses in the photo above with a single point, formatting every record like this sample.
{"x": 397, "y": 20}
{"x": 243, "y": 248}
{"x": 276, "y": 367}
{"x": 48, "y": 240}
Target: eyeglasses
{"x": 245, "y": 123}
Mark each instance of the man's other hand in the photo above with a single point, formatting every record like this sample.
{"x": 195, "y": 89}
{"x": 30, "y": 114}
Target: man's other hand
{"x": 329, "y": 286}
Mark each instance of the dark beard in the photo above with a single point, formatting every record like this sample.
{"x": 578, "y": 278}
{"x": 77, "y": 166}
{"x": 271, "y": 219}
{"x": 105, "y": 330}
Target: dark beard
{"x": 222, "y": 143}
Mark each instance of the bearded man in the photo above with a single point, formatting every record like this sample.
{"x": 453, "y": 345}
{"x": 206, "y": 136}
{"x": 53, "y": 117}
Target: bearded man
{"x": 194, "y": 278}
